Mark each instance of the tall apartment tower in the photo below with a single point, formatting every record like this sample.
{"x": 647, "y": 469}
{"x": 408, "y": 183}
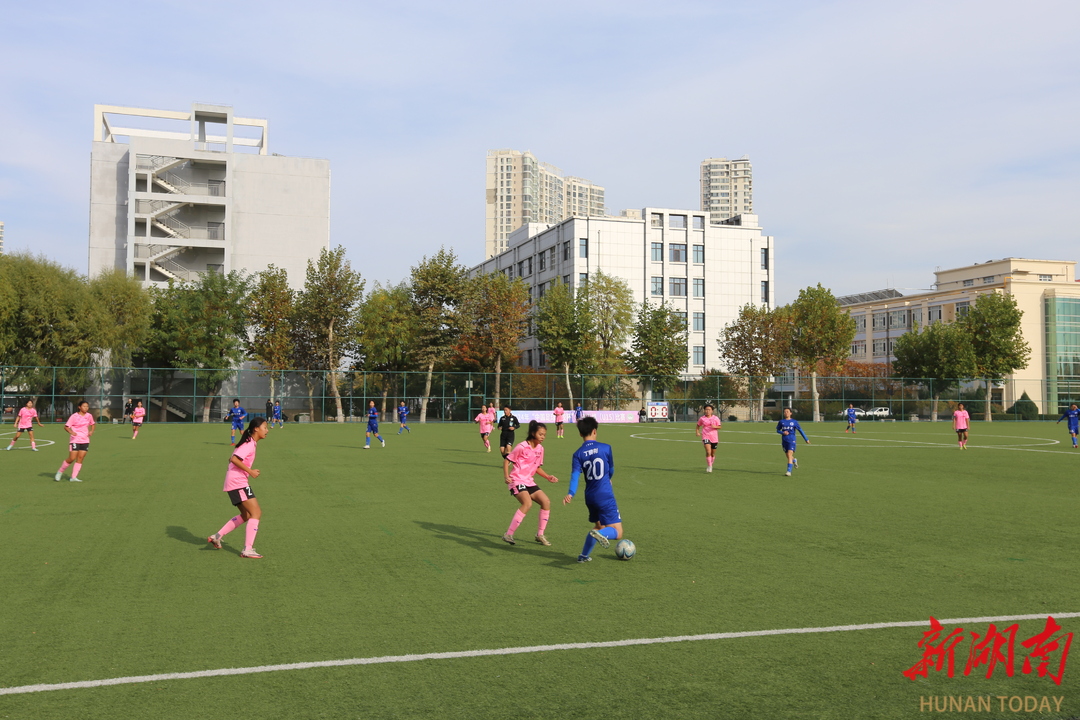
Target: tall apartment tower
{"x": 727, "y": 188}
{"x": 199, "y": 192}
{"x": 521, "y": 190}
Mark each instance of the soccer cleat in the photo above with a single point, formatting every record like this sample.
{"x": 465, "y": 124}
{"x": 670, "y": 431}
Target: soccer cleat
{"x": 708, "y": 468}
{"x": 584, "y": 558}
{"x": 215, "y": 540}
{"x": 252, "y": 554}
{"x": 9, "y": 447}
{"x": 788, "y": 473}
{"x": 383, "y": 443}
{"x": 542, "y": 540}
{"x": 74, "y": 480}
{"x": 598, "y": 537}
{"x": 59, "y": 476}
{"x": 508, "y": 538}
{"x": 35, "y": 449}
{"x": 796, "y": 462}
{"x": 367, "y": 447}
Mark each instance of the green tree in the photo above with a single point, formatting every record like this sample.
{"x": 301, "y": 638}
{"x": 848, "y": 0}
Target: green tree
{"x": 756, "y": 346}
{"x": 611, "y": 304}
{"x": 493, "y": 314}
{"x": 658, "y": 351}
{"x": 327, "y": 308}
{"x": 387, "y": 332}
{"x": 269, "y": 315}
{"x": 436, "y": 284}
{"x": 993, "y": 324}
{"x": 1024, "y": 408}
{"x": 940, "y": 354}
{"x": 565, "y": 330}
{"x": 126, "y": 308}
{"x": 821, "y": 333}
{"x": 161, "y": 349}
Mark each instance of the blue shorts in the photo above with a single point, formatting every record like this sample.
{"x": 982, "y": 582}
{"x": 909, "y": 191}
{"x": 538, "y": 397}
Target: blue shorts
{"x": 606, "y": 513}
{"x": 788, "y": 444}
{"x": 238, "y": 425}
{"x": 373, "y": 427}
{"x": 1073, "y": 429}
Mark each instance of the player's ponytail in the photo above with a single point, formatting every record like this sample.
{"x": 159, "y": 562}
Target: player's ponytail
{"x": 534, "y": 427}
{"x": 251, "y": 428}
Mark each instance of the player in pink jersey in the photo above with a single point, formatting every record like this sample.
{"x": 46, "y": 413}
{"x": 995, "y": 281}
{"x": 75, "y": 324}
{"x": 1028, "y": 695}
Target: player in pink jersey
{"x": 24, "y": 422}
{"x": 241, "y": 467}
{"x": 558, "y": 411}
{"x": 527, "y": 459}
{"x": 137, "y": 415}
{"x": 707, "y": 427}
{"x": 486, "y": 419}
{"x": 80, "y": 426}
{"x": 960, "y": 421}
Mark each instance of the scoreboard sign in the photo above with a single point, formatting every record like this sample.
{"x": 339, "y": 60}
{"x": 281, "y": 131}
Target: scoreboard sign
{"x": 658, "y": 411}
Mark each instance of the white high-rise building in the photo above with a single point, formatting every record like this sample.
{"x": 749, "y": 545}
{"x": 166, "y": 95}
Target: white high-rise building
{"x": 521, "y": 189}
{"x": 727, "y": 188}
{"x": 705, "y": 272}
{"x": 1, "y": 237}
{"x": 198, "y": 191}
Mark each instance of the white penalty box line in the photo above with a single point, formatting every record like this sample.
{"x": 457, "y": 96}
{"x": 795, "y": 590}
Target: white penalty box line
{"x": 222, "y": 672}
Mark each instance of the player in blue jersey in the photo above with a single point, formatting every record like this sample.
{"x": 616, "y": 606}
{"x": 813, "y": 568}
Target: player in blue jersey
{"x": 372, "y": 425}
{"x": 277, "y": 415}
{"x": 238, "y": 415}
{"x": 1073, "y": 414}
{"x": 786, "y": 429}
{"x": 403, "y": 417}
{"x": 851, "y": 419}
{"x": 594, "y": 460}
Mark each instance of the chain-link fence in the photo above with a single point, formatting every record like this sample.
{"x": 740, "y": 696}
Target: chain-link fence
{"x": 171, "y": 395}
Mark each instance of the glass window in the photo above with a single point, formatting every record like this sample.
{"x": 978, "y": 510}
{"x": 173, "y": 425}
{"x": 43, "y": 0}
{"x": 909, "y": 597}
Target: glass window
{"x": 897, "y": 318}
{"x": 699, "y": 287}
{"x": 699, "y": 254}
{"x": 582, "y": 278}
{"x": 933, "y": 314}
{"x": 1046, "y": 278}
{"x": 969, "y": 283}
{"x": 657, "y": 220}
{"x": 521, "y": 268}
{"x": 989, "y": 279}
{"x": 566, "y": 280}
{"x": 677, "y": 287}
{"x": 658, "y": 252}
{"x": 566, "y": 250}
{"x": 583, "y": 247}
{"x": 682, "y": 317}
{"x": 699, "y": 354}
{"x": 699, "y": 222}
{"x": 962, "y": 309}
{"x": 657, "y": 286}
{"x": 677, "y": 222}
{"x": 699, "y": 322}
{"x": 543, "y": 261}
{"x": 916, "y": 318}
{"x": 858, "y": 348}
{"x": 860, "y": 322}
{"x": 764, "y": 258}
{"x": 879, "y": 321}
{"x": 677, "y": 252}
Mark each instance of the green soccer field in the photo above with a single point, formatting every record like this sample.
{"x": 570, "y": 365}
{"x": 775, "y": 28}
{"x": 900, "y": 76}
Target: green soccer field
{"x": 396, "y": 551}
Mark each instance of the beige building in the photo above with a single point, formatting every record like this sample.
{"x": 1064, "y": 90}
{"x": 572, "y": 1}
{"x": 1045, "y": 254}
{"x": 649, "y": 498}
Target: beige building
{"x": 727, "y": 188}
{"x": 1045, "y": 290}
{"x": 521, "y": 190}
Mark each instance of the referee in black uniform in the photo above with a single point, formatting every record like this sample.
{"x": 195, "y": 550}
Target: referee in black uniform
{"x": 508, "y": 423}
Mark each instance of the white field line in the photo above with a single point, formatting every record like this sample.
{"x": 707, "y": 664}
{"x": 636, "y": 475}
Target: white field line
{"x": 40, "y": 443}
{"x": 862, "y": 443}
{"x": 23, "y": 689}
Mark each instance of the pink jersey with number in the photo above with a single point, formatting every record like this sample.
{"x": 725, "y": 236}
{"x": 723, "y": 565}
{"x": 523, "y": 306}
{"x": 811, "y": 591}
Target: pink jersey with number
{"x": 81, "y": 425}
{"x": 138, "y": 414}
{"x": 709, "y": 424}
{"x": 558, "y": 414}
{"x": 960, "y": 419}
{"x": 527, "y": 460}
{"x": 26, "y": 417}
{"x": 486, "y": 420}
{"x": 235, "y": 477}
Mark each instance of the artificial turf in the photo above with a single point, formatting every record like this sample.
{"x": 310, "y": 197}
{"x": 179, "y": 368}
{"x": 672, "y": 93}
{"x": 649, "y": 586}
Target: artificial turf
{"x": 394, "y": 551}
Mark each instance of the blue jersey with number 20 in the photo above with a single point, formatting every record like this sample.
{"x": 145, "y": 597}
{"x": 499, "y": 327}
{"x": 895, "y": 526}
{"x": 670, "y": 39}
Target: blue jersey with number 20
{"x": 593, "y": 460}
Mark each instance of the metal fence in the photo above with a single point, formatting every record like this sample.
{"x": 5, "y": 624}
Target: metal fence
{"x": 193, "y": 395}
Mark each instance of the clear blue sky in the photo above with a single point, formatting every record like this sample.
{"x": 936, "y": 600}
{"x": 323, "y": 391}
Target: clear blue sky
{"x": 887, "y": 138}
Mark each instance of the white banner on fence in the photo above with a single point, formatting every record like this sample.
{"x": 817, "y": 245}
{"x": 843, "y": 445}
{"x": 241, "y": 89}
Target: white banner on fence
{"x": 602, "y": 416}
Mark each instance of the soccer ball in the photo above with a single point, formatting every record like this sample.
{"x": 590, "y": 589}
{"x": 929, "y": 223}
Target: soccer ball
{"x": 625, "y": 549}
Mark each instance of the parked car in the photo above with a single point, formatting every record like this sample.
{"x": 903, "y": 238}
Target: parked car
{"x": 879, "y": 412}
{"x": 859, "y": 413}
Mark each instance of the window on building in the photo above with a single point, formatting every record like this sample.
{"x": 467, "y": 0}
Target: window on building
{"x": 540, "y": 290}
{"x": 566, "y": 280}
{"x": 521, "y": 268}
{"x": 933, "y": 314}
{"x": 969, "y": 283}
{"x": 657, "y": 220}
{"x": 658, "y": 252}
{"x": 962, "y": 309}
{"x": 699, "y": 254}
{"x": 566, "y": 250}
{"x": 551, "y": 258}
{"x": 989, "y": 279}
{"x": 583, "y": 247}
{"x": 678, "y": 222}
{"x": 699, "y": 222}
{"x": 916, "y": 318}
{"x": 858, "y": 348}
{"x": 699, "y": 322}
{"x": 528, "y": 358}
{"x": 543, "y": 261}
{"x": 879, "y": 348}
{"x": 765, "y": 292}
{"x": 681, "y": 316}
{"x": 657, "y": 286}
{"x": 677, "y": 252}
{"x": 764, "y": 258}
{"x": 879, "y": 321}
{"x": 860, "y": 322}
{"x": 897, "y": 318}
{"x": 1046, "y": 278}
{"x": 677, "y": 287}
{"x": 582, "y": 278}
{"x": 699, "y": 354}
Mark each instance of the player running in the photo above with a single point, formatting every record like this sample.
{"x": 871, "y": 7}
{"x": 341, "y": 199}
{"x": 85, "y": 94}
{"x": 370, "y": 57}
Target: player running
{"x": 595, "y": 460}
{"x": 707, "y": 427}
{"x": 24, "y": 423}
{"x": 137, "y": 415}
{"x": 508, "y": 423}
{"x": 558, "y": 412}
{"x": 403, "y": 417}
{"x": 1073, "y": 414}
{"x": 960, "y": 422}
{"x": 372, "y": 425}
{"x": 277, "y": 415}
{"x": 80, "y": 426}
{"x": 486, "y": 418}
{"x": 787, "y": 428}
{"x": 238, "y": 415}
{"x": 241, "y": 467}
{"x": 579, "y": 412}
{"x": 527, "y": 459}
{"x": 851, "y": 419}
